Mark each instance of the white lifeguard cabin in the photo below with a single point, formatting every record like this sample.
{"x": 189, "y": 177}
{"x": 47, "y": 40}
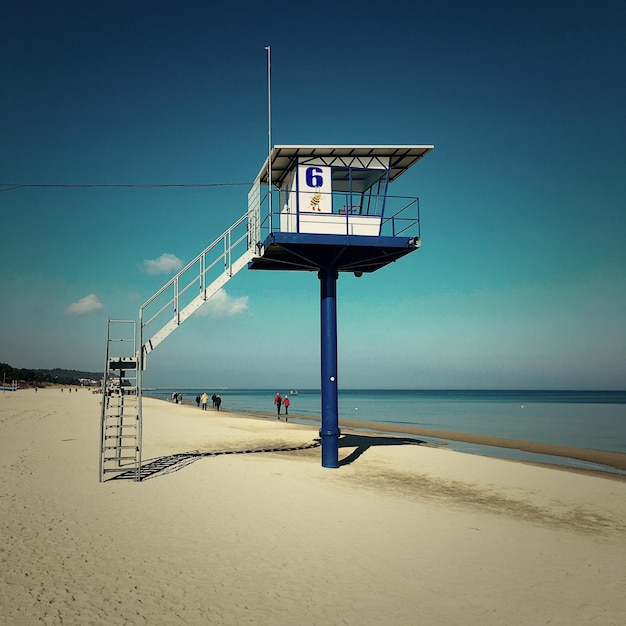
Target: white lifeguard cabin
{"x": 332, "y": 204}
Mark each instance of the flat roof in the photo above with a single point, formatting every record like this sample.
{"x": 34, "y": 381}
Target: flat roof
{"x": 283, "y": 157}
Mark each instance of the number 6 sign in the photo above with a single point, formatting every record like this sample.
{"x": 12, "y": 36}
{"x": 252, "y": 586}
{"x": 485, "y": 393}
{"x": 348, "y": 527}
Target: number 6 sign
{"x": 314, "y": 189}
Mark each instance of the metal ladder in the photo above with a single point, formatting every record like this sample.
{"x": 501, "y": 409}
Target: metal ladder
{"x": 120, "y": 432}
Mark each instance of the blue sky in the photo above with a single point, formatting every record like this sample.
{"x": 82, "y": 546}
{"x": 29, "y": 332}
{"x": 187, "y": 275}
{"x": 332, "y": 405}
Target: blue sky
{"x": 521, "y": 278}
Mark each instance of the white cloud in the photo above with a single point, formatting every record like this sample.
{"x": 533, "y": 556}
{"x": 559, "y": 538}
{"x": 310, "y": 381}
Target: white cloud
{"x": 165, "y": 264}
{"x": 85, "y": 306}
{"x": 222, "y": 305}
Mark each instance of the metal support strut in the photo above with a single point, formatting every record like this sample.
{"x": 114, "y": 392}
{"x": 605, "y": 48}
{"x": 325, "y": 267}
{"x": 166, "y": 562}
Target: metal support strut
{"x": 329, "y": 432}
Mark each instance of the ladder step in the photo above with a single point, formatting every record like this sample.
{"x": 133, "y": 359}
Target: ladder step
{"x": 119, "y": 458}
{"x": 119, "y": 448}
{"x": 122, "y": 416}
{"x": 123, "y": 419}
{"x": 127, "y": 419}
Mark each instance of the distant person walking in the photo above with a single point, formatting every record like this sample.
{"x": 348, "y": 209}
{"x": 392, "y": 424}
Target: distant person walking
{"x": 286, "y": 403}
{"x": 218, "y": 402}
{"x": 278, "y": 400}
{"x": 198, "y": 400}
{"x": 205, "y": 400}
{"x": 213, "y": 397}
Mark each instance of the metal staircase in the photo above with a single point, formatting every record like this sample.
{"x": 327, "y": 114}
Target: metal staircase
{"x": 194, "y": 285}
{"x": 159, "y": 316}
{"x": 120, "y": 433}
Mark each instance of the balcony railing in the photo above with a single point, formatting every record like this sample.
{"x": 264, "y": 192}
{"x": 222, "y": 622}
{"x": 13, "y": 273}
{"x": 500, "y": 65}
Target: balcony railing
{"x": 343, "y": 214}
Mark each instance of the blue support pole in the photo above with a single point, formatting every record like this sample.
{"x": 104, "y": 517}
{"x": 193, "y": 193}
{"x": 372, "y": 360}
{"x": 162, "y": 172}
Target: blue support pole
{"x": 329, "y": 432}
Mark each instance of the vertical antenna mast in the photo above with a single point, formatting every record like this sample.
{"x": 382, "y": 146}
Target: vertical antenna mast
{"x": 268, "y": 49}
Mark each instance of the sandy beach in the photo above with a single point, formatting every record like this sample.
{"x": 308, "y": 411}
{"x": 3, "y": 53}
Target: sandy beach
{"x": 237, "y": 523}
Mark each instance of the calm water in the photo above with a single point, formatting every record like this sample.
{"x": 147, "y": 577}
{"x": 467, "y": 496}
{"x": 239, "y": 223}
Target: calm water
{"x": 582, "y": 419}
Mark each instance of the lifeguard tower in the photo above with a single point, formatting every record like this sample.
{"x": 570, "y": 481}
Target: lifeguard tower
{"x": 326, "y": 209}
{"x": 334, "y": 214}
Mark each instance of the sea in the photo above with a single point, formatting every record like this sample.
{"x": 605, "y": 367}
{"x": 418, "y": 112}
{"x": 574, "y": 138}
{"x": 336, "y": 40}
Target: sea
{"x": 580, "y": 419}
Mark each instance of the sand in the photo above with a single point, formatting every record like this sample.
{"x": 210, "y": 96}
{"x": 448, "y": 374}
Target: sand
{"x": 399, "y": 534}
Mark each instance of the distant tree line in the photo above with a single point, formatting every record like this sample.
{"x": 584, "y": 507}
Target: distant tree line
{"x": 42, "y": 377}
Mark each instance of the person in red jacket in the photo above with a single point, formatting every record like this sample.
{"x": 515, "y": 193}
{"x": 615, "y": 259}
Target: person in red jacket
{"x": 278, "y": 400}
{"x": 286, "y": 403}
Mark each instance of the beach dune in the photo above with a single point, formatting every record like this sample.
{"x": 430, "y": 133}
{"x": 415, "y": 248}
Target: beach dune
{"x": 236, "y": 522}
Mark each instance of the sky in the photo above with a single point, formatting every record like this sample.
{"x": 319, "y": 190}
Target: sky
{"x": 521, "y": 278}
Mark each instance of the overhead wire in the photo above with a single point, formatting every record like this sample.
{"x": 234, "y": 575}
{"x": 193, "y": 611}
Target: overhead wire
{"x": 13, "y": 186}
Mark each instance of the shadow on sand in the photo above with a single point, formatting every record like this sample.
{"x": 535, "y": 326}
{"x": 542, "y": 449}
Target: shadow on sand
{"x": 173, "y": 462}
{"x": 160, "y": 466}
{"x": 361, "y": 443}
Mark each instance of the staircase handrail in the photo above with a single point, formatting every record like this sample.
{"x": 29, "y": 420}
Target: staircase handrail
{"x": 195, "y": 260}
